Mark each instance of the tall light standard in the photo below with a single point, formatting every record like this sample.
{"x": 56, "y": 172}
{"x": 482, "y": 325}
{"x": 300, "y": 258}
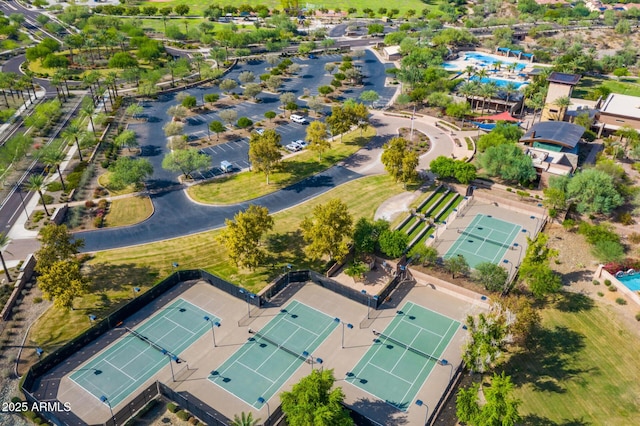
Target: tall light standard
{"x": 369, "y": 302}
{"x": 446, "y": 363}
{"x": 348, "y": 325}
{"x": 136, "y": 290}
{"x": 165, "y": 352}
{"x": 247, "y": 295}
{"x": 92, "y": 318}
{"x": 287, "y": 269}
{"x": 24, "y": 207}
{"x": 261, "y": 400}
{"x": 213, "y": 325}
{"x": 419, "y": 403}
{"x": 105, "y": 400}
{"x": 174, "y": 267}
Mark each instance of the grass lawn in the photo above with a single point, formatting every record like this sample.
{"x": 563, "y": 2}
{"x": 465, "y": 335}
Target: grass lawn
{"x": 198, "y": 6}
{"x": 625, "y": 86}
{"x": 116, "y": 272}
{"x": 584, "y": 369}
{"x": 129, "y": 211}
{"x": 103, "y": 180}
{"x": 249, "y": 185}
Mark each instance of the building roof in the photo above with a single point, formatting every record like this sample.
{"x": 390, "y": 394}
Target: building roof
{"x": 623, "y": 105}
{"x": 554, "y": 132}
{"x": 392, "y": 50}
{"x": 563, "y": 78}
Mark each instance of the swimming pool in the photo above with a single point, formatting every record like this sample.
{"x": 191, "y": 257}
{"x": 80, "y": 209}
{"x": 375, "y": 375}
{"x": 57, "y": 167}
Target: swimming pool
{"x": 631, "y": 281}
{"x": 486, "y": 60}
{"x": 500, "y": 82}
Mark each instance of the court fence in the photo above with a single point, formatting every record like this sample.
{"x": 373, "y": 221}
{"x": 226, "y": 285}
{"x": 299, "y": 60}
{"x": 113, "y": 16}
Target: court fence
{"x": 30, "y": 381}
{"x": 446, "y": 395}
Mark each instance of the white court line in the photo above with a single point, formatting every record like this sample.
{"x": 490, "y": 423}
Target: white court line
{"x": 391, "y": 374}
{"x": 419, "y": 327}
{"x": 254, "y": 371}
{"x": 285, "y": 319}
{"x": 117, "y": 368}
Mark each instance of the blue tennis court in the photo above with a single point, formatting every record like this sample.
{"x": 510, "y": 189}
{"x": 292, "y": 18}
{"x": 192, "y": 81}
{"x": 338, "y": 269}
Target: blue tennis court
{"x": 485, "y": 239}
{"x": 121, "y": 369}
{"x": 403, "y": 355}
{"x": 269, "y": 357}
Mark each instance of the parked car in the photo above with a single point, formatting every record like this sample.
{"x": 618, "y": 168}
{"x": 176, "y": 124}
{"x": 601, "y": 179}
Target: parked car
{"x": 298, "y": 119}
{"x": 259, "y": 131}
{"x": 293, "y": 147}
{"x": 313, "y": 57}
{"x": 226, "y": 166}
{"x": 301, "y": 143}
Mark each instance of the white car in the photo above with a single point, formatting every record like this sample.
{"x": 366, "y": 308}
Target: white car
{"x": 301, "y": 143}
{"x": 260, "y": 131}
{"x": 293, "y": 147}
{"x": 298, "y": 119}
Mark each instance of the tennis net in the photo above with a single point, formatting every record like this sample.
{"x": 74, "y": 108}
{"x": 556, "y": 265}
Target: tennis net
{"x": 277, "y": 345}
{"x": 150, "y": 343}
{"x": 486, "y": 240}
{"x": 402, "y": 345}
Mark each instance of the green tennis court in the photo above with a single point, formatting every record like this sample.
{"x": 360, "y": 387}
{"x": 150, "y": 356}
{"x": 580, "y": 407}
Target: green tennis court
{"x": 402, "y": 357}
{"x": 125, "y": 366}
{"x": 268, "y": 358}
{"x": 485, "y": 239}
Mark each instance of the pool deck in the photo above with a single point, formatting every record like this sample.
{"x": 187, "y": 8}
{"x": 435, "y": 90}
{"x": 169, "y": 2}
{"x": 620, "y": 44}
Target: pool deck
{"x": 601, "y": 273}
{"x": 461, "y": 63}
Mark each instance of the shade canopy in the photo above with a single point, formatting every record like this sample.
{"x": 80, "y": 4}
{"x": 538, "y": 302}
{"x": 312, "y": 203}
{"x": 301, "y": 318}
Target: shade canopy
{"x": 503, "y": 116}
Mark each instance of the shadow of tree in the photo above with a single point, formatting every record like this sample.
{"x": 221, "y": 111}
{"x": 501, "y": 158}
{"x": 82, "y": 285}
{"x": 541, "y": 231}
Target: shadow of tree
{"x": 574, "y": 276}
{"x": 547, "y": 362}
{"x": 110, "y": 277}
{"x": 380, "y": 411}
{"x": 535, "y": 420}
{"x": 574, "y": 302}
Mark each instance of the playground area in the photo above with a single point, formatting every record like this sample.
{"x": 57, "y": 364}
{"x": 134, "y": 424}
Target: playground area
{"x": 209, "y": 344}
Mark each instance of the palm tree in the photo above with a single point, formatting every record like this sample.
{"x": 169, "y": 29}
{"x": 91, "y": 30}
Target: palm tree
{"x": 51, "y": 156}
{"x": 467, "y": 90}
{"x": 563, "y": 103}
{"x": 87, "y": 109}
{"x": 488, "y": 91}
{"x": 469, "y": 70}
{"x": 509, "y": 88}
{"x": 4, "y": 241}
{"x": 244, "y": 420}
{"x": 36, "y": 183}
{"x": 74, "y": 131}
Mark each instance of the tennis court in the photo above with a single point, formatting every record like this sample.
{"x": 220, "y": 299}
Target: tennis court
{"x": 269, "y": 357}
{"x": 403, "y": 355}
{"x": 124, "y": 367}
{"x": 485, "y": 239}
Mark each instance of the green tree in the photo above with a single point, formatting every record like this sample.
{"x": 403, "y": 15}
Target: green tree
{"x": 509, "y": 162}
{"x": 228, "y": 85}
{"x": 314, "y": 401}
{"x": 399, "y": 160}
{"x": 367, "y": 233}
{"x": 52, "y": 156}
{"x": 317, "y": 137}
{"x": 356, "y": 269}
{"x": 340, "y": 121}
{"x": 189, "y": 102}
{"x": 499, "y": 408}
{"x": 244, "y": 420}
{"x": 134, "y": 110}
{"x": 491, "y": 276}
{"x": 36, "y": 183}
{"x": 182, "y": 9}
{"x": 229, "y": 116}
{"x": 252, "y": 90}
{"x": 217, "y": 127}
{"x": 265, "y": 151}
{"x": 63, "y": 282}
{"x": 369, "y": 96}
{"x": 270, "y": 115}
{"x": 465, "y": 172}
{"x": 393, "y": 243}
{"x": 56, "y": 244}
{"x": 443, "y": 166}
{"x": 186, "y": 161}
{"x": 425, "y": 255}
{"x": 488, "y": 335}
{"x": 4, "y": 242}
{"x": 457, "y": 265}
{"x": 122, "y": 60}
{"x": 535, "y": 270}
{"x": 211, "y": 97}
{"x": 327, "y": 230}
{"x": 594, "y": 191}
{"x": 246, "y": 77}
{"x": 127, "y": 138}
{"x": 127, "y": 171}
{"x": 242, "y": 236}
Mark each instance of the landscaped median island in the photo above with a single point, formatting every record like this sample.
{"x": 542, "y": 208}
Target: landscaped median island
{"x": 251, "y": 184}
{"x": 116, "y": 272}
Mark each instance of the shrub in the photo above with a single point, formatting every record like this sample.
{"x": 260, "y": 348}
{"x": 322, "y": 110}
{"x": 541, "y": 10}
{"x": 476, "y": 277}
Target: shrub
{"x": 626, "y": 219}
{"x": 568, "y": 224}
{"x": 638, "y": 316}
{"x": 634, "y": 238}
{"x": 621, "y": 301}
{"x": 37, "y": 216}
{"x": 47, "y": 199}
{"x": 600, "y": 294}
{"x": 37, "y": 300}
{"x": 54, "y": 186}
{"x": 596, "y": 282}
{"x": 244, "y": 122}
{"x": 102, "y": 204}
{"x": 612, "y": 288}
{"x": 98, "y": 221}
{"x": 89, "y": 204}
{"x": 172, "y": 408}
{"x": 183, "y": 415}
{"x": 607, "y": 282}
{"x": 553, "y": 213}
